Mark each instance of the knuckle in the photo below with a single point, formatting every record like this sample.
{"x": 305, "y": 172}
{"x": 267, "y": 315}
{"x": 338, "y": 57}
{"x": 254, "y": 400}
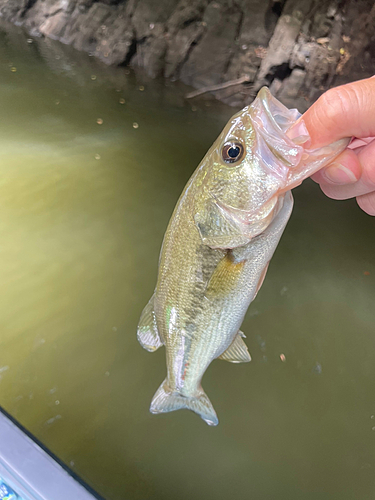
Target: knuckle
{"x": 338, "y": 104}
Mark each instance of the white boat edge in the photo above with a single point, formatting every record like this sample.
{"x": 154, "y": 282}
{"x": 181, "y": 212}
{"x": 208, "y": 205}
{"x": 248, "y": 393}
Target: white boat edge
{"x": 31, "y": 471}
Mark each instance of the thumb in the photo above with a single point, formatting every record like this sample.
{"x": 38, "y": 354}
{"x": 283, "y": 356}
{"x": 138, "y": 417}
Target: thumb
{"x": 345, "y": 111}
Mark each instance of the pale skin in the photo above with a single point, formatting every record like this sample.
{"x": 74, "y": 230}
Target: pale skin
{"x": 345, "y": 111}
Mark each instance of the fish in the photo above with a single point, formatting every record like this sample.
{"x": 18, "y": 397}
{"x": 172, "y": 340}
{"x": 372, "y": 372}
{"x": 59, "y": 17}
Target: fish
{"x": 218, "y": 244}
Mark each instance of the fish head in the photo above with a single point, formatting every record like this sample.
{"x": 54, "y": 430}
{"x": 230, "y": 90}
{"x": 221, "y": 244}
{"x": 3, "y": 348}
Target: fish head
{"x": 248, "y": 169}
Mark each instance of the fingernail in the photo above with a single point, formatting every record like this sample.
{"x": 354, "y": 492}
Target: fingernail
{"x": 338, "y": 174}
{"x": 299, "y": 133}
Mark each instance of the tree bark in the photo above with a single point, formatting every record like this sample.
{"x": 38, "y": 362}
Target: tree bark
{"x": 299, "y": 48}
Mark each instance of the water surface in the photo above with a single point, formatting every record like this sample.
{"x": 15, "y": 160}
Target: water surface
{"x": 85, "y": 198}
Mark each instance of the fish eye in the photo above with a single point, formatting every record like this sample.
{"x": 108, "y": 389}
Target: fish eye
{"x": 232, "y": 152}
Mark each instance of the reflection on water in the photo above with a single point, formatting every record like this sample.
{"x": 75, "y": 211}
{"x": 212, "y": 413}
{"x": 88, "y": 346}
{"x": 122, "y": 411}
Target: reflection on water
{"x": 85, "y": 197}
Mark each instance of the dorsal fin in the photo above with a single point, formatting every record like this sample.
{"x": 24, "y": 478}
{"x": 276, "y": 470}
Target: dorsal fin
{"x": 237, "y": 352}
{"x": 147, "y": 332}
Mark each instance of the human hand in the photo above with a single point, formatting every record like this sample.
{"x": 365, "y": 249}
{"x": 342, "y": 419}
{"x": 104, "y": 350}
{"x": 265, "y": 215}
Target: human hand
{"x": 346, "y": 111}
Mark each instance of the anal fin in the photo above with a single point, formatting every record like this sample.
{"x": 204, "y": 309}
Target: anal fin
{"x": 147, "y": 332}
{"x": 237, "y": 352}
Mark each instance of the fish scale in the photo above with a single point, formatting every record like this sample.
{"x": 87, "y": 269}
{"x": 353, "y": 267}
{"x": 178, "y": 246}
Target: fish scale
{"x": 221, "y": 237}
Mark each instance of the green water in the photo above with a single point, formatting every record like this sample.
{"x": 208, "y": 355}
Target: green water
{"x": 83, "y": 209}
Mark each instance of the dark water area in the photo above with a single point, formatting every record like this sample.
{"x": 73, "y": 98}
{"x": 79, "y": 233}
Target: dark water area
{"x": 92, "y": 163}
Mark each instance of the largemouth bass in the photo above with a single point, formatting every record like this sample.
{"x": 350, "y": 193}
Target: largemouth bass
{"x": 218, "y": 244}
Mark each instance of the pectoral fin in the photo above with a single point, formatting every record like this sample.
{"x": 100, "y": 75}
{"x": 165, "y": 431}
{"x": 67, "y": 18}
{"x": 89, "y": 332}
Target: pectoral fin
{"x": 147, "y": 332}
{"x": 237, "y": 352}
{"x": 225, "y": 277}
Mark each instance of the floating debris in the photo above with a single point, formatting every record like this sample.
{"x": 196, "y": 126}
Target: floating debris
{"x": 71, "y": 463}
{"x": 317, "y": 368}
{"x": 57, "y": 402}
{"x": 194, "y": 108}
{"x": 38, "y": 342}
{"x": 57, "y": 102}
{"x": 262, "y": 343}
{"x": 114, "y": 328}
{"x": 93, "y": 77}
{"x": 141, "y": 88}
{"x": 122, "y": 100}
{"x": 53, "y": 419}
{"x": 13, "y": 69}
{"x": 97, "y": 156}
{"x": 367, "y": 273}
{"x": 29, "y": 40}
{"x": 342, "y": 51}
{"x": 99, "y": 121}
{"x": 106, "y": 374}
{"x": 283, "y": 358}
{"x": 135, "y": 125}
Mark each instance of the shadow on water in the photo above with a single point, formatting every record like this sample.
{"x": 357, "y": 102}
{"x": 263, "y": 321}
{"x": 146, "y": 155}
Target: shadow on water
{"x": 85, "y": 198}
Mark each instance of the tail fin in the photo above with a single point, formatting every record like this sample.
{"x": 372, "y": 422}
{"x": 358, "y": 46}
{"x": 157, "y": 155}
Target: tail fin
{"x": 166, "y": 400}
